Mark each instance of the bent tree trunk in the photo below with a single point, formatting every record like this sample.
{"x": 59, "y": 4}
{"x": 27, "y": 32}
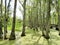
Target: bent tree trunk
{"x": 12, "y": 36}
{"x": 23, "y": 30}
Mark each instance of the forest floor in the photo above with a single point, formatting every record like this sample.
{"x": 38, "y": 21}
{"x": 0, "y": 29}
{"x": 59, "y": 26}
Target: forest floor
{"x": 33, "y": 38}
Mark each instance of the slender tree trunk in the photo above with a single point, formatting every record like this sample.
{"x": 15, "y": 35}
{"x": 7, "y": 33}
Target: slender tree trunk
{"x": 40, "y": 17}
{"x": 58, "y": 8}
{"x": 5, "y": 23}
{"x": 23, "y": 30}
{"x": 48, "y": 19}
{"x": 12, "y": 36}
{"x": 7, "y": 13}
{"x": 30, "y": 21}
{"x": 36, "y": 19}
{"x": 1, "y": 21}
{"x": 8, "y": 10}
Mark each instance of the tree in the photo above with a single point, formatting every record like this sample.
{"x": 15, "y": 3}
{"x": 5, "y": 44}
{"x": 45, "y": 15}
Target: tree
{"x": 1, "y": 20}
{"x": 12, "y": 36}
{"x": 24, "y": 7}
{"x": 48, "y": 19}
{"x": 5, "y": 23}
{"x": 58, "y": 7}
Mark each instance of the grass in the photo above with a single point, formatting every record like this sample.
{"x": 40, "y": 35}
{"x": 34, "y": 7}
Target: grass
{"x": 18, "y": 25}
{"x": 34, "y": 38}
{"x": 17, "y": 28}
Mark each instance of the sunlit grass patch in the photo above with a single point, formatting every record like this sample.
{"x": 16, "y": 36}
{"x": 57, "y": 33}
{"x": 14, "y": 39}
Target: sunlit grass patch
{"x": 33, "y": 38}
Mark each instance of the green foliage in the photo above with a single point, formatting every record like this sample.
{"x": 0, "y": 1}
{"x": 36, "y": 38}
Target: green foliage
{"x": 18, "y": 24}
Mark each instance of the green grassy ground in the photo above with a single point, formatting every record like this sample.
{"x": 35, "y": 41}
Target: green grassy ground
{"x": 33, "y": 38}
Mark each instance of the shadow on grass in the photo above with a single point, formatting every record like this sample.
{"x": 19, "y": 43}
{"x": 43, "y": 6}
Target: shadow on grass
{"x": 7, "y": 42}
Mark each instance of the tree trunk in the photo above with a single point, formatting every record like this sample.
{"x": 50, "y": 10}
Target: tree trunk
{"x": 58, "y": 8}
{"x": 5, "y": 23}
{"x": 12, "y": 36}
{"x": 1, "y": 20}
{"x": 48, "y": 19}
{"x": 23, "y": 30}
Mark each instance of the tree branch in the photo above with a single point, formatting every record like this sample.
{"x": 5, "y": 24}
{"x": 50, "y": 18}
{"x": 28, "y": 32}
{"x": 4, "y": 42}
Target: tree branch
{"x": 20, "y": 3}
